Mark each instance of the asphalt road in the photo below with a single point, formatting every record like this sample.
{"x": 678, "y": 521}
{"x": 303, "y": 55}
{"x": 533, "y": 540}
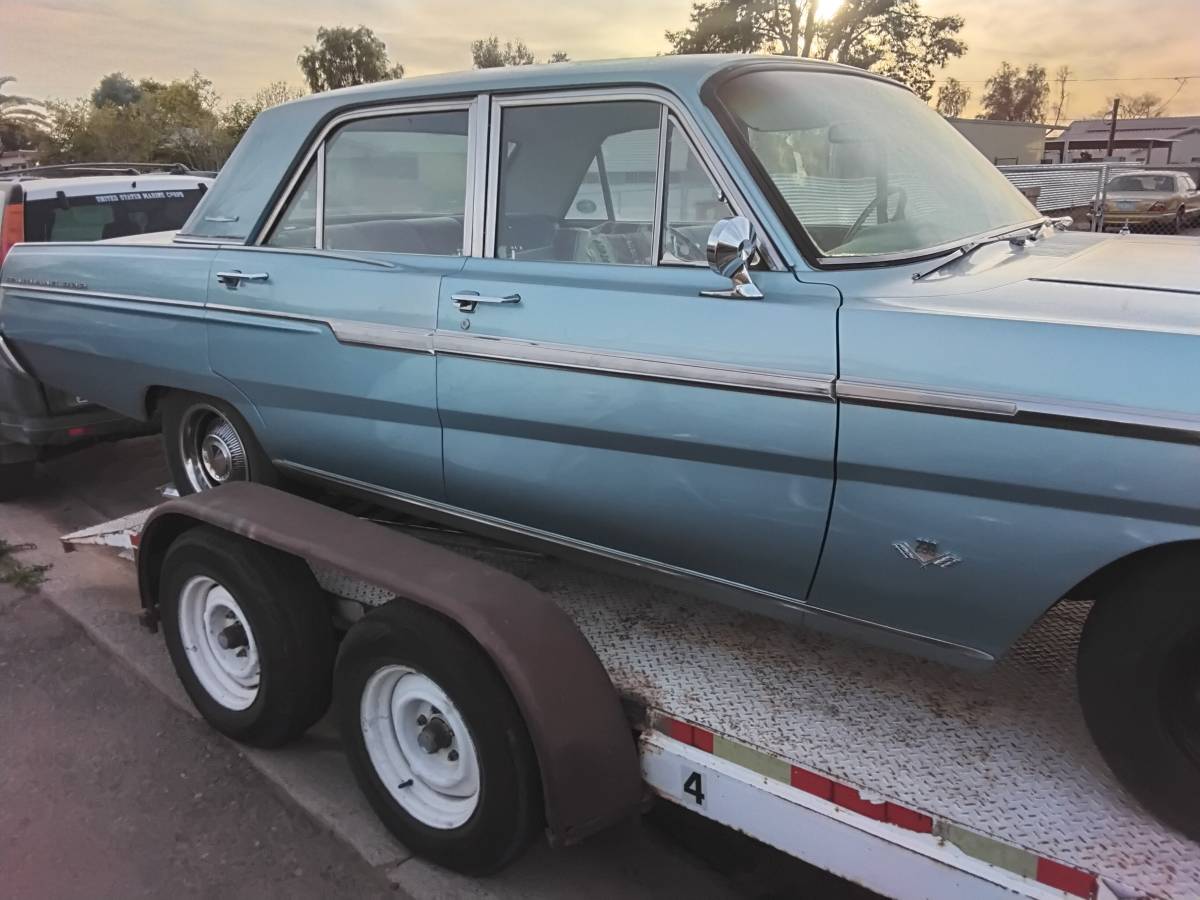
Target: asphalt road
{"x": 112, "y": 788}
{"x": 108, "y": 790}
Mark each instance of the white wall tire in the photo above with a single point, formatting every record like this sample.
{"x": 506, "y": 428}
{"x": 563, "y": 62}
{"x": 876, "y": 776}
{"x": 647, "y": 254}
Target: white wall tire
{"x": 249, "y": 632}
{"x": 461, "y": 787}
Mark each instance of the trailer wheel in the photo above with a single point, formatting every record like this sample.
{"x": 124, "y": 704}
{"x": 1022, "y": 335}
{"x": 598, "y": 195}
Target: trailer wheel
{"x": 208, "y": 444}
{"x": 250, "y": 634}
{"x": 435, "y": 739}
{"x": 1139, "y": 684}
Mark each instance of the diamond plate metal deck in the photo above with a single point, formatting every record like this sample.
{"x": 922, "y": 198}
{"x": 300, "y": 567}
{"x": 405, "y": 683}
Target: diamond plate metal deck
{"x": 1004, "y": 753}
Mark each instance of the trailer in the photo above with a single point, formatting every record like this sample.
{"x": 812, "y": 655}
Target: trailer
{"x": 908, "y": 777}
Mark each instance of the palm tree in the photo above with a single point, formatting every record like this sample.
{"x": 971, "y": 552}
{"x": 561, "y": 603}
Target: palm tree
{"x": 16, "y": 109}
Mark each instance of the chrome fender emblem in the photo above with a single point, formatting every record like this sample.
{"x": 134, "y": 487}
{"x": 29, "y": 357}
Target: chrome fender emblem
{"x": 925, "y": 552}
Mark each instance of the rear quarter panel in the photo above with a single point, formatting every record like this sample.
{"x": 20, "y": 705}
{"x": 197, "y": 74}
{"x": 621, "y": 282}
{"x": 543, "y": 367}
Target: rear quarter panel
{"x": 106, "y": 322}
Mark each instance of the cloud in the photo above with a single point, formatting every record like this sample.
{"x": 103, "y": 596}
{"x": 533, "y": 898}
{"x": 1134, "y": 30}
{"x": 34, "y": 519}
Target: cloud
{"x": 242, "y": 45}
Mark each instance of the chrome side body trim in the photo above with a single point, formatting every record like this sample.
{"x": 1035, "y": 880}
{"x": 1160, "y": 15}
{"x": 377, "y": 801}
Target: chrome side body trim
{"x": 655, "y": 368}
{"x": 85, "y": 296}
{"x": 740, "y": 595}
{"x": 1110, "y": 420}
{"x": 349, "y": 331}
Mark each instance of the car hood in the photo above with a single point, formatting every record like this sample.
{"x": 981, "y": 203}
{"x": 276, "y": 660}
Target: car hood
{"x": 1140, "y": 196}
{"x": 1134, "y": 282}
{"x": 1154, "y": 264}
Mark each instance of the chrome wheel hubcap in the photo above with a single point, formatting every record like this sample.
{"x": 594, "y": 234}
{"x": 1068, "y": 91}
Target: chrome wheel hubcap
{"x": 211, "y": 449}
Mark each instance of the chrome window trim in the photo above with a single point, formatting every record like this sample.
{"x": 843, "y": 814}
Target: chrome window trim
{"x": 924, "y": 253}
{"x": 346, "y": 255}
{"x": 716, "y": 170}
{"x": 318, "y": 144}
{"x": 660, "y": 189}
{"x": 477, "y": 156}
{"x": 708, "y": 585}
{"x": 319, "y": 221}
{"x": 653, "y": 368}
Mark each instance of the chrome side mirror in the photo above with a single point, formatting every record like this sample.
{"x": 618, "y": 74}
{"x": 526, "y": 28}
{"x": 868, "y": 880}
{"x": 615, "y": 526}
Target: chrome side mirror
{"x": 732, "y": 246}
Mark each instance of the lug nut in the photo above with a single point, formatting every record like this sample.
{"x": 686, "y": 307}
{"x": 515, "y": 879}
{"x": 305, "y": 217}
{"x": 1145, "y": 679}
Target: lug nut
{"x": 422, "y": 721}
{"x": 452, "y": 756}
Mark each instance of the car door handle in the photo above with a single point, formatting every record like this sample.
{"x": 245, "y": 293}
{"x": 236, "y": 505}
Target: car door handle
{"x": 466, "y": 300}
{"x": 232, "y": 279}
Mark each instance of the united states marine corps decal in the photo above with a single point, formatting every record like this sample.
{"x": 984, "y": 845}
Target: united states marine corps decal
{"x": 925, "y": 552}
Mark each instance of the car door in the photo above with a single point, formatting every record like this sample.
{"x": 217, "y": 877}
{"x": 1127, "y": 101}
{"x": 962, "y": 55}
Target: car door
{"x": 590, "y": 394}
{"x": 326, "y": 326}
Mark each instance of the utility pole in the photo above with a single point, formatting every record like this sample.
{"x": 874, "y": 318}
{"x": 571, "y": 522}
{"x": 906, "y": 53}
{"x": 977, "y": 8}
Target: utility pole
{"x": 1112, "y": 127}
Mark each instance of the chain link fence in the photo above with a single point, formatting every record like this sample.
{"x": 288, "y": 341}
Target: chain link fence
{"x": 1125, "y": 197}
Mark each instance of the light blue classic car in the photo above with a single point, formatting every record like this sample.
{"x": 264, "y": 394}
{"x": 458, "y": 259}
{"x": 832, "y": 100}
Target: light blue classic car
{"x": 770, "y": 328}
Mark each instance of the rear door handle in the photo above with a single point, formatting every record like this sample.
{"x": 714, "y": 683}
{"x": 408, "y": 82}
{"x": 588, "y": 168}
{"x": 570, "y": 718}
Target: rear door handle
{"x": 466, "y": 300}
{"x": 232, "y": 279}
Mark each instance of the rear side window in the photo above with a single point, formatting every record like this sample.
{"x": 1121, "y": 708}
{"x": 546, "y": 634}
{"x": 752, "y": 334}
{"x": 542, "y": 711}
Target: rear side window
{"x": 298, "y": 225}
{"x": 103, "y": 216}
{"x": 397, "y": 183}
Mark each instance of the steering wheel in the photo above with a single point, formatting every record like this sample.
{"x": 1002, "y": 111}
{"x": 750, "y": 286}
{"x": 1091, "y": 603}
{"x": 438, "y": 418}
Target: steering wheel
{"x": 681, "y": 246}
{"x": 854, "y": 229}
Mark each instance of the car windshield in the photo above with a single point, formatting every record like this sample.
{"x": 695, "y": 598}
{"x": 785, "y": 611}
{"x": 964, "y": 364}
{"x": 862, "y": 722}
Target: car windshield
{"x": 864, "y": 167}
{"x": 1142, "y": 183}
{"x": 99, "y": 216}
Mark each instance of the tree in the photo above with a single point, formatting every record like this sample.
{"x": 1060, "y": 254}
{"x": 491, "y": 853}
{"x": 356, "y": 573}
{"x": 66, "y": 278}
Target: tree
{"x": 952, "y": 98}
{"x": 1011, "y": 95}
{"x": 116, "y": 89}
{"x": 20, "y": 120}
{"x": 346, "y": 56}
{"x": 1141, "y": 106}
{"x": 239, "y": 115}
{"x": 1061, "y": 77}
{"x": 559, "y": 56}
{"x": 892, "y": 37}
{"x": 486, "y": 53}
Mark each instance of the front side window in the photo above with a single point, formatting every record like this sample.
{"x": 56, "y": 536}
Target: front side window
{"x": 579, "y": 182}
{"x": 863, "y": 167}
{"x": 691, "y": 202}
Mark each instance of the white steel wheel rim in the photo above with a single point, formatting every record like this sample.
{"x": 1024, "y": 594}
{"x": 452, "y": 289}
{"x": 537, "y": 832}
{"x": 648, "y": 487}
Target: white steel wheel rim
{"x": 434, "y": 779}
{"x": 219, "y": 643}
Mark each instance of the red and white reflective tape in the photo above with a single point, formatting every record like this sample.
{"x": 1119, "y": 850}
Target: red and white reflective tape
{"x": 1013, "y": 859}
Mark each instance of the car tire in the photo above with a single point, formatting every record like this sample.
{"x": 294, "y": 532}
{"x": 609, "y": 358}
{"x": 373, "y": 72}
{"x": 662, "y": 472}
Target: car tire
{"x": 400, "y": 671}
{"x": 193, "y": 425}
{"x": 16, "y": 478}
{"x": 1179, "y": 223}
{"x": 1139, "y": 684}
{"x": 282, "y": 684}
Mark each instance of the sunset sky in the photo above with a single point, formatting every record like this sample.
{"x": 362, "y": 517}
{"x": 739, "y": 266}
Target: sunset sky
{"x": 61, "y": 48}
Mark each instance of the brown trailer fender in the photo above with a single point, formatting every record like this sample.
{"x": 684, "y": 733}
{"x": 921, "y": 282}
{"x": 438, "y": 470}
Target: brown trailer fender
{"x": 585, "y": 750}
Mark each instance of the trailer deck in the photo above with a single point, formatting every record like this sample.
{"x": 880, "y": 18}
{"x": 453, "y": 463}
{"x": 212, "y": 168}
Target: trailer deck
{"x": 910, "y": 777}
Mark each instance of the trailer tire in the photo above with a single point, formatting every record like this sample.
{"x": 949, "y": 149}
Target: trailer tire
{"x": 1139, "y": 685}
{"x": 189, "y": 421}
{"x": 401, "y": 671}
{"x": 277, "y": 614}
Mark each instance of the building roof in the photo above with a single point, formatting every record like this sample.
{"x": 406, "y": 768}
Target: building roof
{"x": 1155, "y": 128}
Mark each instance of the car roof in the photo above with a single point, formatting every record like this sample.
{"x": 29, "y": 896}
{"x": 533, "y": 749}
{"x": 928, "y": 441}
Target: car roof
{"x": 1148, "y": 172}
{"x": 263, "y": 158}
{"x": 43, "y": 188}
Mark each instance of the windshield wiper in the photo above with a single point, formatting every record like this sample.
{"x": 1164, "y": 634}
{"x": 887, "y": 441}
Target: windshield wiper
{"x": 1017, "y": 237}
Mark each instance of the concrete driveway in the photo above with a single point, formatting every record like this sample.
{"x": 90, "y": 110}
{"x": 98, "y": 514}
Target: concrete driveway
{"x": 111, "y": 786}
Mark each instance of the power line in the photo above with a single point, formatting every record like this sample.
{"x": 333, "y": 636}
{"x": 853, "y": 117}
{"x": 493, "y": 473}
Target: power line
{"x": 1181, "y": 78}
